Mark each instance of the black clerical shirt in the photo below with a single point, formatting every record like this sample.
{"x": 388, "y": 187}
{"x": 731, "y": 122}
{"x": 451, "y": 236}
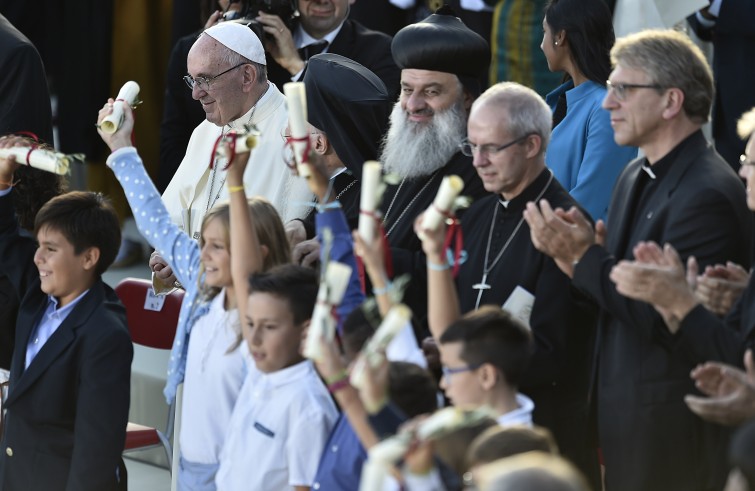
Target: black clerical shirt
{"x": 557, "y": 377}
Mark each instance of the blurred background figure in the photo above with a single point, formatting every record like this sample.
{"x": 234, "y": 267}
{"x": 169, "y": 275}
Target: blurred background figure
{"x": 534, "y": 471}
{"x": 577, "y": 40}
{"x": 24, "y": 106}
{"x": 729, "y": 26}
{"x": 742, "y": 459}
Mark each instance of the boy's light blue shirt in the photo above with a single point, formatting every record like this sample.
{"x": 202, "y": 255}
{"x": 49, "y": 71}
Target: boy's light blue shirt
{"x": 50, "y": 322}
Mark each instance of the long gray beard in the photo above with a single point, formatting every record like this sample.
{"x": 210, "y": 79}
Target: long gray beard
{"x": 413, "y": 150}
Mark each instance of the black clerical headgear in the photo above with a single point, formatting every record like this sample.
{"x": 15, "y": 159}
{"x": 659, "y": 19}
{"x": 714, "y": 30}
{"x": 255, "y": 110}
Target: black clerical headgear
{"x": 350, "y": 104}
{"x": 443, "y": 43}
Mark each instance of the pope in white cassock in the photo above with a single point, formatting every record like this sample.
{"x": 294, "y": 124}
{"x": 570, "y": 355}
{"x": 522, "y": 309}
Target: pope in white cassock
{"x": 227, "y": 75}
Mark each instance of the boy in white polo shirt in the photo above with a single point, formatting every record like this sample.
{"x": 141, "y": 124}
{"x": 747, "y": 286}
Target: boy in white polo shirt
{"x": 284, "y": 413}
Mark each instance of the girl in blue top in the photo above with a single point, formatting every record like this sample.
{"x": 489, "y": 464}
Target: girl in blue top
{"x": 577, "y": 40}
{"x": 208, "y": 355}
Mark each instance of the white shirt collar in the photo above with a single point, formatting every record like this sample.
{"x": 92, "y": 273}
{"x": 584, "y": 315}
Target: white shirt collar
{"x": 648, "y": 170}
{"x": 521, "y": 415}
{"x": 287, "y": 375}
{"x": 301, "y": 38}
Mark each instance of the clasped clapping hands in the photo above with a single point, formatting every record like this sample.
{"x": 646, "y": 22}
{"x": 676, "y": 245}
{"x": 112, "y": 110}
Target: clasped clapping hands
{"x": 563, "y": 235}
{"x": 658, "y": 276}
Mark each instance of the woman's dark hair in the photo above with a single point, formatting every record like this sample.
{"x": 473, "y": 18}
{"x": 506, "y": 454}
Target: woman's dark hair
{"x": 589, "y": 31}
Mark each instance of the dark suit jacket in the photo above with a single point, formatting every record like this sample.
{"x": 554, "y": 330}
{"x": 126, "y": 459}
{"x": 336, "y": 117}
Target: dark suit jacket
{"x": 650, "y": 440}
{"x": 733, "y": 40}
{"x": 67, "y": 412}
{"x": 24, "y": 106}
{"x": 369, "y": 48}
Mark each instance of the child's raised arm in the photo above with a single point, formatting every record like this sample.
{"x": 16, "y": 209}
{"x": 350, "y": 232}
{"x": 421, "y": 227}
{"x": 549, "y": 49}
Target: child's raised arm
{"x": 179, "y": 250}
{"x": 330, "y": 215}
{"x": 373, "y": 258}
{"x": 246, "y": 252}
{"x": 442, "y": 297}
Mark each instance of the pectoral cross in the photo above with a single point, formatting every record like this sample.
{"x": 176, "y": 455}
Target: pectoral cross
{"x": 481, "y": 287}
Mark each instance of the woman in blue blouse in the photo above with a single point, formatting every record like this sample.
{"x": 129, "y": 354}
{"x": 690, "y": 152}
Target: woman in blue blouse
{"x": 578, "y": 36}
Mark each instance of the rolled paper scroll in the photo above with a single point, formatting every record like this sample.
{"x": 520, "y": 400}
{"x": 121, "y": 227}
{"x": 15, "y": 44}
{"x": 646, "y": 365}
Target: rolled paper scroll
{"x": 40, "y": 158}
{"x": 373, "y": 475}
{"x": 296, "y": 100}
{"x": 441, "y": 207}
{"x": 368, "y": 201}
{"x": 128, "y": 93}
{"x": 380, "y": 459}
{"x": 448, "y": 419}
{"x": 331, "y": 292}
{"x": 396, "y": 319}
{"x": 244, "y": 142}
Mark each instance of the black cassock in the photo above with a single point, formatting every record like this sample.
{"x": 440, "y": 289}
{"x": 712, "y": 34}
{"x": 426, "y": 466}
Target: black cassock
{"x": 401, "y": 205}
{"x": 562, "y": 322}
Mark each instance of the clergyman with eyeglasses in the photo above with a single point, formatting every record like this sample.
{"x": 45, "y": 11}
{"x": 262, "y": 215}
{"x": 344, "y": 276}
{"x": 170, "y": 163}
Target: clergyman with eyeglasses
{"x": 509, "y": 129}
{"x": 227, "y": 76}
{"x": 680, "y": 193}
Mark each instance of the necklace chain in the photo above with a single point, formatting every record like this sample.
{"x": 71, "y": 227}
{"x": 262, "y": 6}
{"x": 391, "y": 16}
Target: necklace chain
{"x": 407, "y": 207}
{"x": 338, "y": 196}
{"x": 486, "y": 269}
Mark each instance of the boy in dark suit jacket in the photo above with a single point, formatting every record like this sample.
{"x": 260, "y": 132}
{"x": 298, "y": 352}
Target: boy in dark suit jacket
{"x": 68, "y": 399}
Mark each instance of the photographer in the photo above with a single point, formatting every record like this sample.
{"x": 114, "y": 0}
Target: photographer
{"x": 322, "y": 26}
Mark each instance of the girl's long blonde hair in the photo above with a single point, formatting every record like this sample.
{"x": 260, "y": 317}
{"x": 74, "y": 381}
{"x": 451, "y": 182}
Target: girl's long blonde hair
{"x": 267, "y": 225}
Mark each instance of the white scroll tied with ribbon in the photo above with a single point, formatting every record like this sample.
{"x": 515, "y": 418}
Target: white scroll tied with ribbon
{"x": 371, "y": 172}
{"x": 323, "y": 325}
{"x": 129, "y": 94}
{"x": 296, "y": 100}
{"x": 41, "y": 158}
{"x": 442, "y": 205}
{"x": 396, "y": 319}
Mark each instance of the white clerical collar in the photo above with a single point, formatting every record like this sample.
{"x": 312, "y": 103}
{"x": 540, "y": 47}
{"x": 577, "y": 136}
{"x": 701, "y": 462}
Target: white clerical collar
{"x": 238, "y": 123}
{"x": 504, "y": 203}
{"x": 301, "y": 38}
{"x": 338, "y": 173}
{"x": 648, "y": 170}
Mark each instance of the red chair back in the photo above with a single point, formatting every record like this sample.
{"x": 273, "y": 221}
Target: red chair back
{"x": 151, "y": 320}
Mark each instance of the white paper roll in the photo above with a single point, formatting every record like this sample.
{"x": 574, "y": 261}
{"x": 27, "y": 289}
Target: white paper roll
{"x": 396, "y": 319}
{"x": 390, "y": 450}
{"x": 42, "y": 159}
{"x": 331, "y": 292}
{"x": 244, "y": 143}
{"x": 373, "y": 476}
{"x": 296, "y": 101}
{"x": 371, "y": 172}
{"x": 447, "y": 193}
{"x": 128, "y": 93}
{"x": 448, "y": 419}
